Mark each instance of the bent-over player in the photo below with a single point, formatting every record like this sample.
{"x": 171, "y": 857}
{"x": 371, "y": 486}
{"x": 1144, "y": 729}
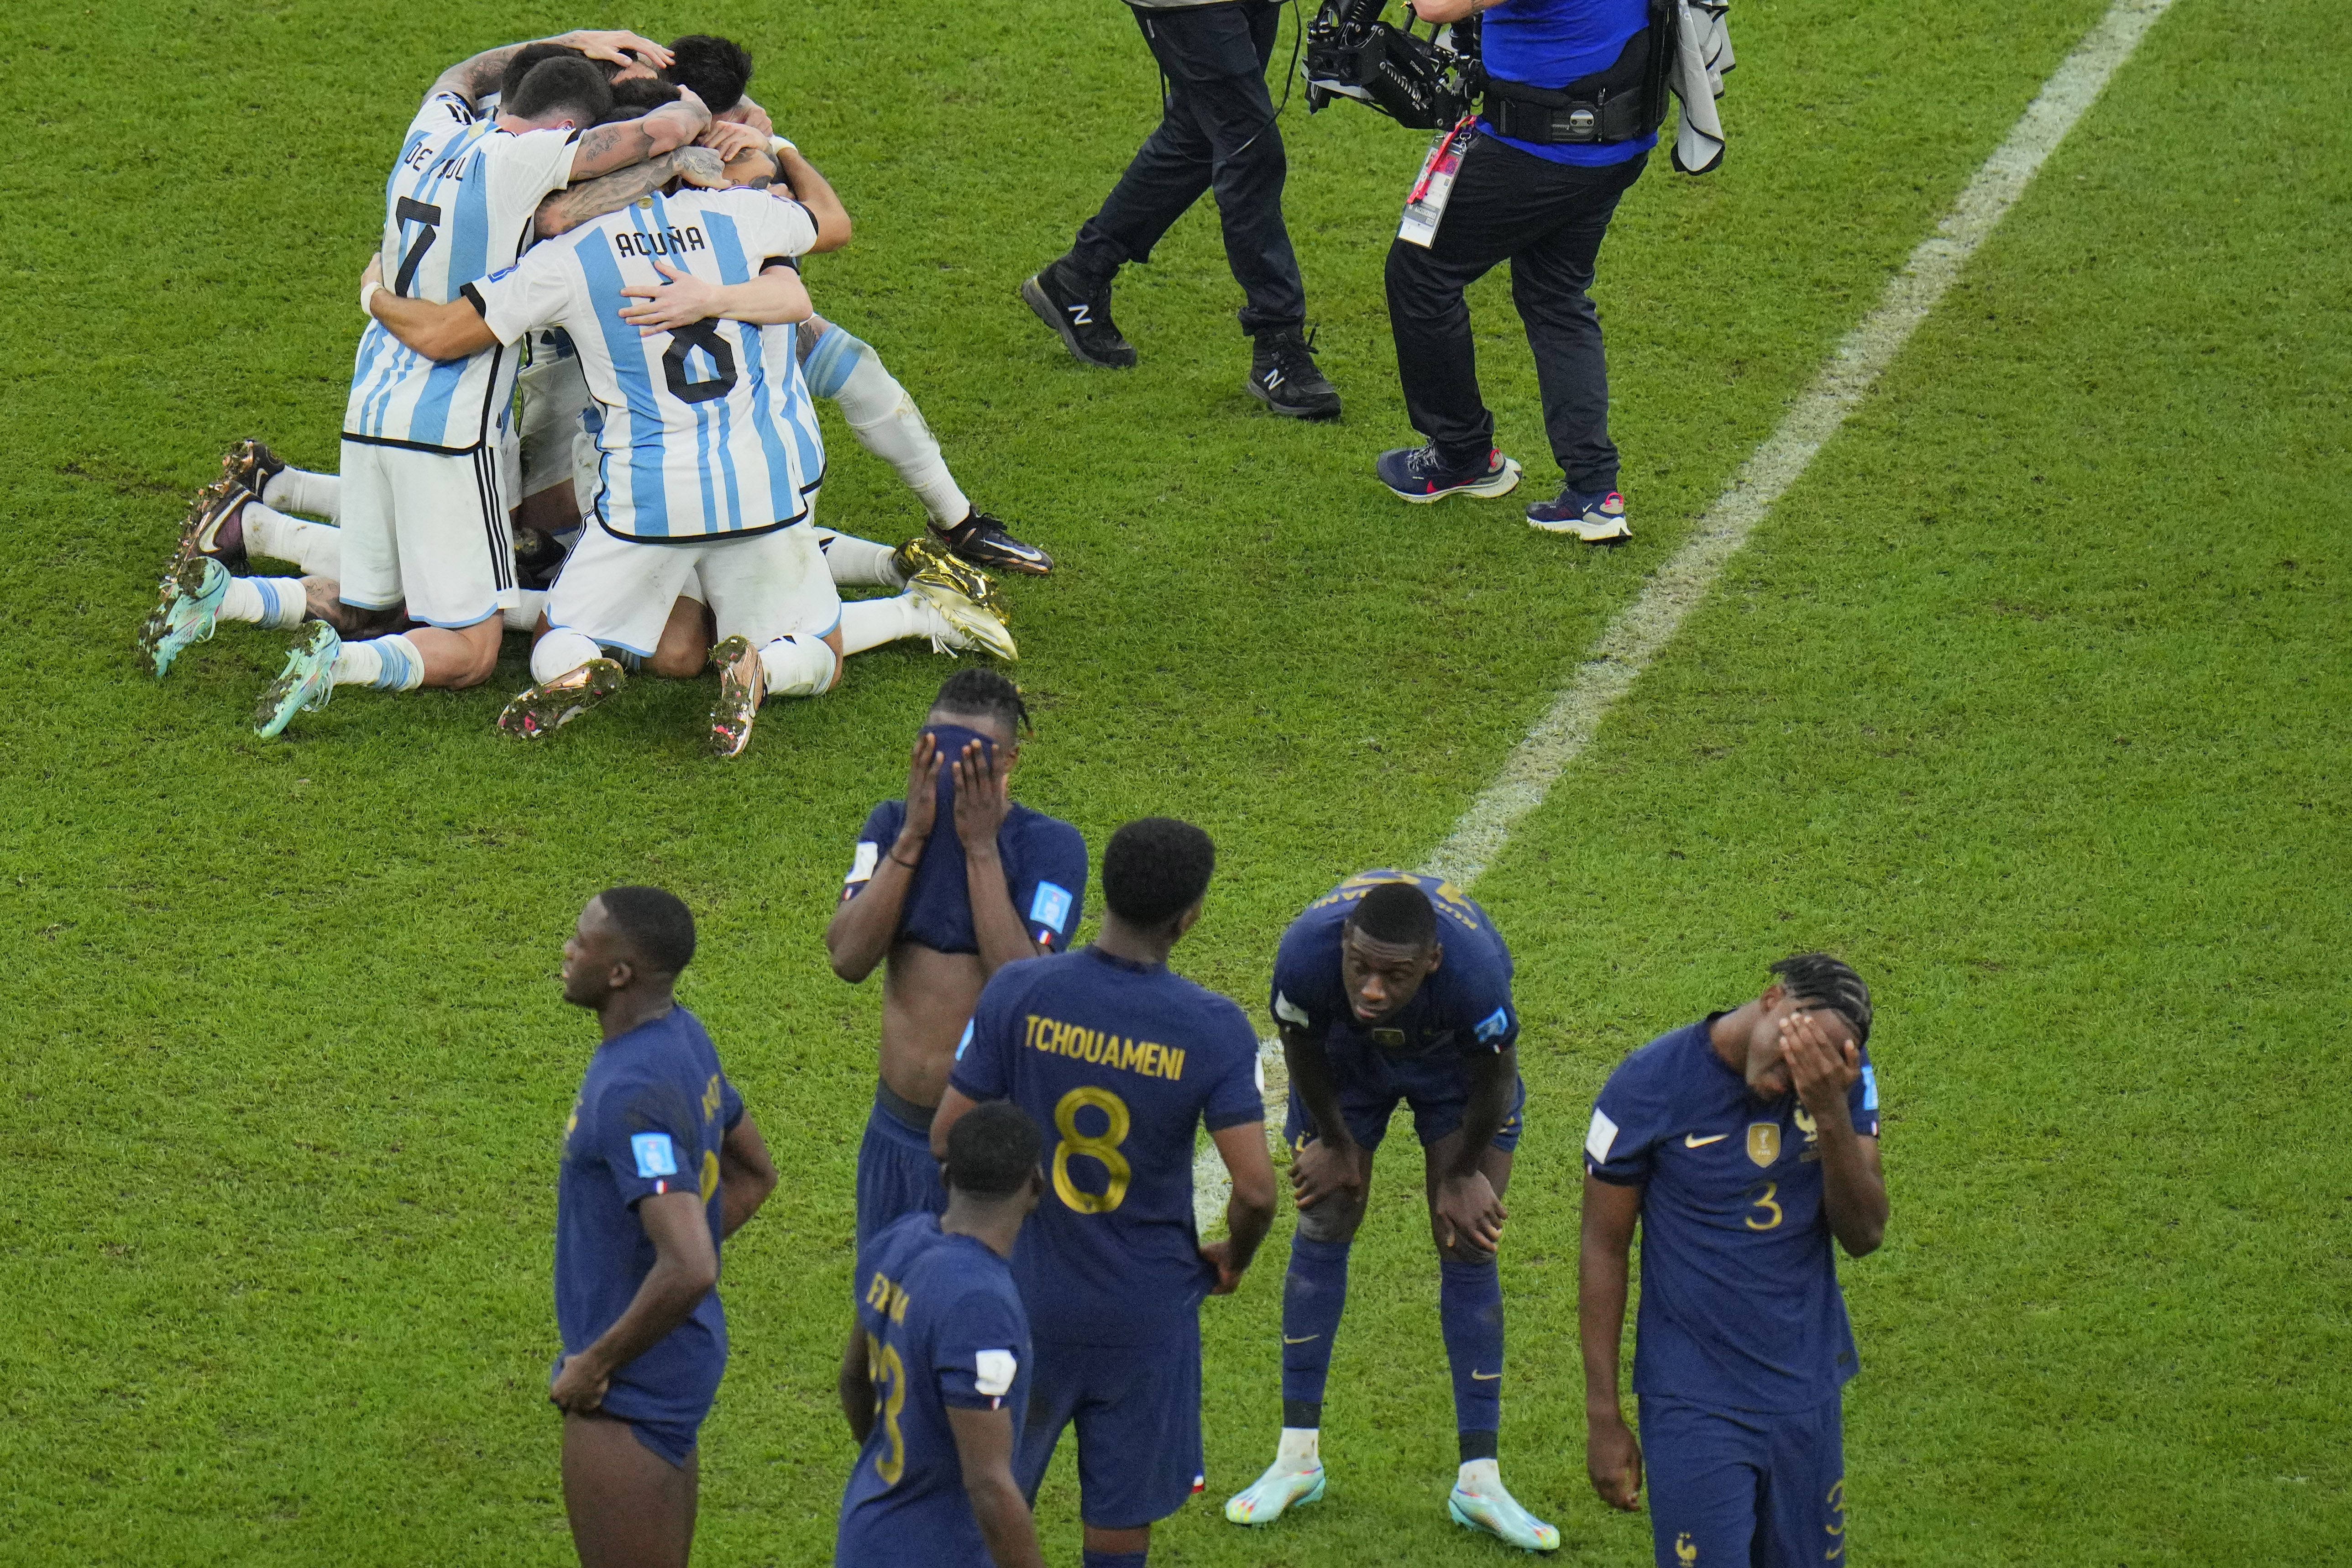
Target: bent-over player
{"x": 1126, "y": 1059}
{"x": 1392, "y": 987}
{"x": 1742, "y": 1144}
{"x": 935, "y": 1378}
{"x": 947, "y": 886}
{"x": 661, "y": 1164}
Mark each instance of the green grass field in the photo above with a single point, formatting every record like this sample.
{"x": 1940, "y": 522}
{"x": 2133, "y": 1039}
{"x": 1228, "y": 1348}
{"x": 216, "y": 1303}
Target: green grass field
{"x": 2029, "y": 701}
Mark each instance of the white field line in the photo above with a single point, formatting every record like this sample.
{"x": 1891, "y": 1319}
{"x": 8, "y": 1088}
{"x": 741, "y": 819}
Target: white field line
{"x": 1636, "y": 634}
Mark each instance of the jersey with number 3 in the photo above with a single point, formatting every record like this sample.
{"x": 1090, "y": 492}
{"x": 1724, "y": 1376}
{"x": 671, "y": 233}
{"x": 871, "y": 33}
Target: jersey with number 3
{"x": 1740, "y": 1307}
{"x": 704, "y": 432}
{"x": 458, "y": 206}
{"x": 1117, "y": 1063}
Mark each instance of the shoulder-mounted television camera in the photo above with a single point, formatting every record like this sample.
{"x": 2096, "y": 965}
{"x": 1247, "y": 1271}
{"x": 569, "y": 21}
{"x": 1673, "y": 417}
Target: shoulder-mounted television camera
{"x": 1426, "y": 83}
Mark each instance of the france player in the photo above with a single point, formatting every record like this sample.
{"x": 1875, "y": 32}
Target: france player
{"x": 948, "y": 885}
{"x": 1125, "y": 1060}
{"x": 1741, "y": 1144}
{"x": 1394, "y": 987}
{"x": 423, "y": 518}
{"x": 935, "y": 1378}
{"x": 661, "y": 1164}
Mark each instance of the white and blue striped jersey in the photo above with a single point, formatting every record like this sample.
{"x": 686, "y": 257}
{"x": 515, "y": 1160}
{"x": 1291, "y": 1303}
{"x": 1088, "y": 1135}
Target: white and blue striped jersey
{"x": 704, "y": 432}
{"x": 458, "y": 206}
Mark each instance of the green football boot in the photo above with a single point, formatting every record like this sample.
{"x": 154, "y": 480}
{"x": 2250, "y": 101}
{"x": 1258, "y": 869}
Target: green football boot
{"x": 1274, "y": 1494}
{"x": 187, "y": 612}
{"x": 304, "y": 684}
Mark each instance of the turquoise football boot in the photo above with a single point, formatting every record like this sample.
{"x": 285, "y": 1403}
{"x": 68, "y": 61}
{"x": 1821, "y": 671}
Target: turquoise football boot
{"x": 187, "y": 612}
{"x": 1274, "y": 1494}
{"x": 304, "y": 684}
{"x": 1500, "y": 1516}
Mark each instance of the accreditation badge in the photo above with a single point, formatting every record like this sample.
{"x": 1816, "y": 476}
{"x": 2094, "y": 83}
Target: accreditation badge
{"x": 1424, "y": 205}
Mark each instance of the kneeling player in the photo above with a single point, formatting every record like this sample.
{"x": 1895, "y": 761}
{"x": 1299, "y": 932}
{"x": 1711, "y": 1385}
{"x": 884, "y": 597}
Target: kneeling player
{"x": 1126, "y": 1059}
{"x": 935, "y": 1378}
{"x": 1742, "y": 1144}
{"x": 1394, "y": 988}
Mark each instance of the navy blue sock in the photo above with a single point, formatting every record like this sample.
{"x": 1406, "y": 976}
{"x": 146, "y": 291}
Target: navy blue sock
{"x": 1470, "y": 1310}
{"x": 1313, "y": 1293}
{"x": 1115, "y": 1559}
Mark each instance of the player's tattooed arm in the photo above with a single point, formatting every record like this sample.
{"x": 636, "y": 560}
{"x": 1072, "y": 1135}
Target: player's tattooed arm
{"x": 616, "y": 146}
{"x": 746, "y": 1175}
{"x": 567, "y": 209}
{"x": 983, "y": 1440}
{"x": 1613, "y": 1459}
{"x": 473, "y": 79}
{"x": 856, "y": 1384}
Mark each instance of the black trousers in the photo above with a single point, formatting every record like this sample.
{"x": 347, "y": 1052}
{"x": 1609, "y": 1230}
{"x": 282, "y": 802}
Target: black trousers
{"x": 1217, "y": 131}
{"x": 1546, "y": 220}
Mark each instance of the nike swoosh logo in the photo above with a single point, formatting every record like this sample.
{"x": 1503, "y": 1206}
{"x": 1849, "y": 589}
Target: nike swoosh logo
{"x": 1477, "y": 1376}
{"x": 1301, "y": 1340}
{"x": 1691, "y": 1143}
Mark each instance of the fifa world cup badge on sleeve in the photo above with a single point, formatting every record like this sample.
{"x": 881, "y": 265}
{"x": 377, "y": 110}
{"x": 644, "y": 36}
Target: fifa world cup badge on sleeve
{"x": 1424, "y": 205}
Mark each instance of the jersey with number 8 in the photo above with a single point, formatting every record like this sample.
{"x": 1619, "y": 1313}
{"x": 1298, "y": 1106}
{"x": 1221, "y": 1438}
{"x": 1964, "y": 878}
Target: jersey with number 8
{"x": 1123, "y": 1063}
{"x": 458, "y": 205}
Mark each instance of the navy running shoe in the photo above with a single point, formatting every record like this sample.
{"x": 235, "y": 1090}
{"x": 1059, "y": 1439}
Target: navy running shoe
{"x": 1597, "y": 517}
{"x": 1420, "y": 474}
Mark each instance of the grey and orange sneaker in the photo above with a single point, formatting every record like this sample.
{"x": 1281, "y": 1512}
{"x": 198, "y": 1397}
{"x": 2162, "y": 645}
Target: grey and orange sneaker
{"x": 742, "y": 686}
{"x": 549, "y": 705}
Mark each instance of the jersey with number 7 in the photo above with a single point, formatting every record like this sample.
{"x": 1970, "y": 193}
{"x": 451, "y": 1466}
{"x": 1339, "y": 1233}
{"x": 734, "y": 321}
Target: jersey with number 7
{"x": 458, "y": 206}
{"x": 1119, "y": 1062}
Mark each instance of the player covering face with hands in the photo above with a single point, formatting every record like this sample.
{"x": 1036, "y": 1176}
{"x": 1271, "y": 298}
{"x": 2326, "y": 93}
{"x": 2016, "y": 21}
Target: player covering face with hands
{"x": 1741, "y": 1145}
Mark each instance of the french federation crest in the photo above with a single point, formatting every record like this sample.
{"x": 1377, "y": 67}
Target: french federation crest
{"x": 1764, "y": 1141}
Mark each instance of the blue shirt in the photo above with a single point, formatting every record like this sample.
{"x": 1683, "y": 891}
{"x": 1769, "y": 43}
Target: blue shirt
{"x": 1463, "y": 1009}
{"x": 1550, "y": 43}
{"x": 1045, "y": 866}
{"x": 653, "y": 1110}
{"x": 943, "y": 1327}
{"x": 1119, "y": 1063}
{"x": 1740, "y": 1307}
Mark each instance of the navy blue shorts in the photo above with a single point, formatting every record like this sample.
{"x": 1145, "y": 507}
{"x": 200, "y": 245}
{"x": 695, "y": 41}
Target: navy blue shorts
{"x": 1137, "y": 1411}
{"x": 1745, "y": 1487}
{"x": 671, "y": 1434}
{"x": 895, "y": 1174}
{"x": 1370, "y": 1082}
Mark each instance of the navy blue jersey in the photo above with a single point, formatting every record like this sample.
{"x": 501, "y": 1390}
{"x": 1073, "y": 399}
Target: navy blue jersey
{"x": 1740, "y": 1307}
{"x": 1463, "y": 1009}
{"x": 1121, "y": 1062}
{"x": 1550, "y": 43}
{"x": 653, "y": 1110}
{"x": 1045, "y": 866}
{"x": 943, "y": 1327}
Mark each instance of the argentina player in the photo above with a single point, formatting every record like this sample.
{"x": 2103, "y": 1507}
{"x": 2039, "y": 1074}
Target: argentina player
{"x": 1125, "y": 1060}
{"x": 1741, "y": 1144}
{"x": 423, "y": 517}
{"x": 948, "y": 886}
{"x": 1392, "y": 987}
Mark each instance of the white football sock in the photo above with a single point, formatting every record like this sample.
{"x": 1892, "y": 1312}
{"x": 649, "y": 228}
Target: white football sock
{"x": 298, "y": 490}
{"x": 870, "y": 622}
{"x": 1481, "y": 1477}
{"x": 560, "y": 650}
{"x": 392, "y": 663}
{"x": 523, "y": 616}
{"x": 798, "y": 665}
{"x": 1302, "y": 1448}
{"x": 858, "y": 562}
{"x": 887, "y": 424}
{"x": 265, "y": 601}
{"x": 316, "y": 547}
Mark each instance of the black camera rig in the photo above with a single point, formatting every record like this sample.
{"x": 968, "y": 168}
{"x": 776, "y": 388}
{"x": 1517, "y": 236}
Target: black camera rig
{"x": 1426, "y": 83}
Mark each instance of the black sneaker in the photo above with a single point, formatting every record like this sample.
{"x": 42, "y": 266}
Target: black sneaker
{"x": 1082, "y": 320}
{"x": 1283, "y": 376}
{"x": 982, "y": 541}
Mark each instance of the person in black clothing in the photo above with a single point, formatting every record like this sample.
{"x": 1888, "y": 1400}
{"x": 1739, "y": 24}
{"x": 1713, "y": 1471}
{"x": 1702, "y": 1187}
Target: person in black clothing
{"x": 1217, "y": 131}
{"x": 1572, "y": 108}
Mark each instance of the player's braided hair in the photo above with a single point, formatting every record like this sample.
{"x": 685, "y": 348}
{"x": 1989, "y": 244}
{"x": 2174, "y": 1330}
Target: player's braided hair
{"x": 992, "y": 1150}
{"x": 1398, "y": 913}
{"x": 1821, "y": 980}
{"x": 981, "y": 690}
{"x": 655, "y": 923}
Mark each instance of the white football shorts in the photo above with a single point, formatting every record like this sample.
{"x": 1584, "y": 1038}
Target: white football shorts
{"x": 428, "y": 529}
{"x": 619, "y": 591}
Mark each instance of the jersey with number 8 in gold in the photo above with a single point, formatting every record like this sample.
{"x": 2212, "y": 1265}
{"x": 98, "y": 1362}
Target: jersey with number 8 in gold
{"x": 1119, "y": 1062}
{"x": 1740, "y": 1307}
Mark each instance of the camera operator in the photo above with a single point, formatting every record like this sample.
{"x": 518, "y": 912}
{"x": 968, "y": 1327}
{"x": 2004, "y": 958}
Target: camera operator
{"x": 1573, "y": 86}
{"x": 1217, "y": 131}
